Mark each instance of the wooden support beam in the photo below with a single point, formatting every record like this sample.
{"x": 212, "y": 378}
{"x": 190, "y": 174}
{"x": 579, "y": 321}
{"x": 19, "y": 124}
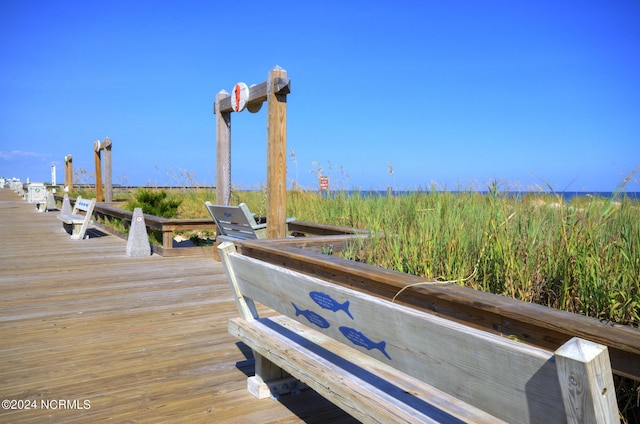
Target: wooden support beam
{"x": 276, "y": 155}
{"x": 108, "y": 171}
{"x": 223, "y": 152}
{"x": 98, "y": 166}
{"x": 257, "y": 94}
{"x": 68, "y": 173}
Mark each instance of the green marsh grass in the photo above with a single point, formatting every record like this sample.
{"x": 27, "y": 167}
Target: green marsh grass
{"x": 583, "y": 258}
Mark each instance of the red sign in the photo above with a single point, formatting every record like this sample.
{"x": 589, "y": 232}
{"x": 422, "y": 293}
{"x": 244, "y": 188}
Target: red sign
{"x": 324, "y": 183}
{"x": 239, "y": 96}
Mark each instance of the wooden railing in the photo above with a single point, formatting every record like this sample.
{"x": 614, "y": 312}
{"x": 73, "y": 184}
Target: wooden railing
{"x": 167, "y": 226}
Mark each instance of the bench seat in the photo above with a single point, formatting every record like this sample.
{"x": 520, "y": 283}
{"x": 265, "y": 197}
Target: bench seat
{"x": 359, "y": 384}
{"x": 71, "y": 218}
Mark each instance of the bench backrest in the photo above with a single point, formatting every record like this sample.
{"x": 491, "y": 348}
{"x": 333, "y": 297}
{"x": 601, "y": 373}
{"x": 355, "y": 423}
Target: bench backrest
{"x": 508, "y": 379}
{"x": 84, "y": 205}
{"x": 37, "y": 193}
{"x": 236, "y": 221}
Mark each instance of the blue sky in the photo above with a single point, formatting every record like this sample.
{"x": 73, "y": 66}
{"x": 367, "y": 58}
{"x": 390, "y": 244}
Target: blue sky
{"x": 453, "y": 93}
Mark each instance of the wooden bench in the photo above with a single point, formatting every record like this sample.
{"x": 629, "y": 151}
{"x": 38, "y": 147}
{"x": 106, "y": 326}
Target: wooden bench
{"x": 237, "y": 222}
{"x": 384, "y": 362}
{"x": 78, "y": 220}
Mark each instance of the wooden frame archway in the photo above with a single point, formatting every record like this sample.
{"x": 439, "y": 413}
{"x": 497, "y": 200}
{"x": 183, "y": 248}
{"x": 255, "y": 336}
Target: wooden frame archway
{"x": 274, "y": 91}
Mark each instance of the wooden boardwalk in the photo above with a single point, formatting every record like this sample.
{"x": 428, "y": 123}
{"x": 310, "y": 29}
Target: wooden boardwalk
{"x": 88, "y": 334}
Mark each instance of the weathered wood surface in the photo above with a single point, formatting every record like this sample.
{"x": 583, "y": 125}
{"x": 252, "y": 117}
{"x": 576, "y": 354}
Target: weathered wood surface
{"x": 510, "y": 380}
{"x": 533, "y": 324}
{"x": 258, "y": 93}
{"x": 276, "y": 155}
{"x": 144, "y": 340}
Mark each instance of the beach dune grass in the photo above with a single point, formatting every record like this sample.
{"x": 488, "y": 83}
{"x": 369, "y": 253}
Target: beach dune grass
{"x": 582, "y": 259}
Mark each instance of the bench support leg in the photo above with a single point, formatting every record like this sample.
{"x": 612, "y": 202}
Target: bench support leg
{"x": 265, "y": 371}
{"x": 77, "y": 231}
{"x": 271, "y": 380}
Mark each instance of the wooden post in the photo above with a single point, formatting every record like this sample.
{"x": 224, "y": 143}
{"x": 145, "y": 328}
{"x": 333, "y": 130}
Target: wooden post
{"x": 276, "y": 156}
{"x": 68, "y": 173}
{"x": 108, "y": 176}
{"x": 588, "y": 393}
{"x": 98, "y": 166}
{"x": 223, "y": 152}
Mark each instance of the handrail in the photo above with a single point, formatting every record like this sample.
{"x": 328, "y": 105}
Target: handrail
{"x": 339, "y": 236}
{"x": 166, "y": 225}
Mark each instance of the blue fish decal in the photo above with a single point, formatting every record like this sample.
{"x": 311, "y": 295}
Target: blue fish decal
{"x": 327, "y": 302}
{"x": 358, "y": 338}
{"x": 312, "y": 317}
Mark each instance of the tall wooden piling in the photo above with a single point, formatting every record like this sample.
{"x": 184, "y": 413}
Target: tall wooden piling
{"x": 98, "y": 168}
{"x": 68, "y": 173}
{"x": 276, "y": 156}
{"x": 108, "y": 172}
{"x": 223, "y": 152}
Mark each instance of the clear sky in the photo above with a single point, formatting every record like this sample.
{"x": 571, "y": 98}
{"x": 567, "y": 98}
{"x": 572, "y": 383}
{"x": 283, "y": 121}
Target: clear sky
{"x": 453, "y": 93}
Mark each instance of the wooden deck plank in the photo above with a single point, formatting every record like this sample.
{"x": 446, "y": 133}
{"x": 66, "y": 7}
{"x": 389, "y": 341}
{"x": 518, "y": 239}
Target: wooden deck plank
{"x": 144, "y": 340}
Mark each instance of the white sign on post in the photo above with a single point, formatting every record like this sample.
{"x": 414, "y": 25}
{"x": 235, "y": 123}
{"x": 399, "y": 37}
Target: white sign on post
{"x": 37, "y": 193}
{"x": 239, "y": 97}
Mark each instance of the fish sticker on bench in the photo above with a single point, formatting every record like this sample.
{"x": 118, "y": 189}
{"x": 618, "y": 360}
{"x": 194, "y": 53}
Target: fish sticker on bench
{"x": 360, "y": 339}
{"x": 327, "y": 302}
{"x": 312, "y": 317}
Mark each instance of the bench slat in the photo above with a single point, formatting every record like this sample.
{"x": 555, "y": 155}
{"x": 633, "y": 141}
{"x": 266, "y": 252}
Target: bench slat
{"x": 319, "y": 362}
{"x": 459, "y": 360}
{"x": 71, "y": 219}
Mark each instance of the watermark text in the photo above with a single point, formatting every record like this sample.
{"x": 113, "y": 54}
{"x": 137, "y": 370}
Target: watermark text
{"x": 48, "y": 404}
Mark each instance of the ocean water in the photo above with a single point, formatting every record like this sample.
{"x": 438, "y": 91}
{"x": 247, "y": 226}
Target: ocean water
{"x": 566, "y": 196}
